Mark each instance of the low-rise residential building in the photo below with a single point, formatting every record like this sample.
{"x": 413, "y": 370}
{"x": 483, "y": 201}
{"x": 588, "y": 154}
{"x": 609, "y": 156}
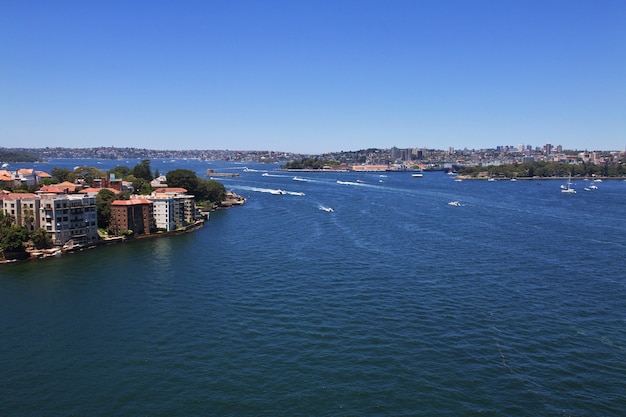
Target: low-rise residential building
{"x": 23, "y": 207}
{"x": 135, "y": 214}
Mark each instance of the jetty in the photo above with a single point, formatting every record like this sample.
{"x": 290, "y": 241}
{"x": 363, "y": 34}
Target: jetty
{"x": 211, "y": 173}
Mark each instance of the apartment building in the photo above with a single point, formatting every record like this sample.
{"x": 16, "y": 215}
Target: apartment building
{"x": 172, "y": 208}
{"x": 69, "y": 217}
{"x": 23, "y": 207}
{"x": 135, "y": 214}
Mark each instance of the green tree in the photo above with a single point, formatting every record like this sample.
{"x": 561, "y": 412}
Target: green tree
{"x": 41, "y": 239}
{"x": 201, "y": 189}
{"x": 211, "y": 191}
{"x": 12, "y": 236}
{"x": 140, "y": 185}
{"x": 143, "y": 170}
{"x": 104, "y": 198}
{"x": 121, "y": 172}
{"x": 88, "y": 174}
{"x": 60, "y": 174}
{"x": 183, "y": 178}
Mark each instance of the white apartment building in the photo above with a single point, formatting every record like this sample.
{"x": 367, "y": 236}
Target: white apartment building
{"x": 173, "y": 208}
{"x": 163, "y": 209}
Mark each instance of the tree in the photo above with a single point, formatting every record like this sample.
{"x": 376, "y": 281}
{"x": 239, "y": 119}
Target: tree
{"x": 88, "y": 174}
{"x": 142, "y": 170}
{"x": 12, "y": 236}
{"x": 140, "y": 185}
{"x": 120, "y": 171}
{"x": 41, "y": 239}
{"x": 211, "y": 190}
{"x": 60, "y": 174}
{"x": 201, "y": 189}
{"x": 104, "y": 198}
{"x": 183, "y": 178}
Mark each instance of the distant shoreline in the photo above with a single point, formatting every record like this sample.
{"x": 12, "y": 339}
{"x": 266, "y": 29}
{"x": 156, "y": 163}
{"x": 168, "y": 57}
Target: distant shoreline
{"x": 463, "y": 177}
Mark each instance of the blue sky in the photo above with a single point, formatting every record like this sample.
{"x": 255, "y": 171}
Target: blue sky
{"x": 313, "y": 76}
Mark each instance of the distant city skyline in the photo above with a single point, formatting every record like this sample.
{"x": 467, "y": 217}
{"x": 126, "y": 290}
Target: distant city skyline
{"x": 314, "y": 77}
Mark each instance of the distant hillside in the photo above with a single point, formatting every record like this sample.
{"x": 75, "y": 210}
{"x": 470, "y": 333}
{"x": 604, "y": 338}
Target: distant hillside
{"x": 12, "y": 156}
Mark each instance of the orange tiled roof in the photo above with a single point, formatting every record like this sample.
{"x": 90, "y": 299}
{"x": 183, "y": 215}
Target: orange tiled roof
{"x": 19, "y": 196}
{"x": 172, "y": 190}
{"x": 97, "y": 190}
{"x": 132, "y": 202}
{"x": 55, "y": 188}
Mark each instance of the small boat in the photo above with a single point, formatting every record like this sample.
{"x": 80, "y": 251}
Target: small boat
{"x": 568, "y": 189}
{"x": 277, "y": 192}
{"x": 418, "y": 175}
{"x": 298, "y": 179}
{"x": 455, "y": 203}
{"x": 327, "y": 209}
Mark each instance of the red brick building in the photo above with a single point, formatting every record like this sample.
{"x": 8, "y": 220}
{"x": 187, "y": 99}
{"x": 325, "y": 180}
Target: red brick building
{"x": 135, "y": 214}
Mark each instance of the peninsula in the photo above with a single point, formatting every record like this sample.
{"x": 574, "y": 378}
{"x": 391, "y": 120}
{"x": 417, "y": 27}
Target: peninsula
{"x": 46, "y": 214}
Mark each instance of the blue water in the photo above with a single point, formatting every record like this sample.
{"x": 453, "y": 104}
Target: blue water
{"x": 395, "y": 303}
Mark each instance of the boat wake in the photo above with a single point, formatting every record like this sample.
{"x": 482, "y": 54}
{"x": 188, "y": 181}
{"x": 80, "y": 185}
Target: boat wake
{"x": 349, "y": 183}
{"x": 276, "y": 191}
{"x": 327, "y": 209}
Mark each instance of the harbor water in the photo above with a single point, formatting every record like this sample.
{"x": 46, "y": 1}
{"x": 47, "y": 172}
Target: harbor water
{"x": 334, "y": 294}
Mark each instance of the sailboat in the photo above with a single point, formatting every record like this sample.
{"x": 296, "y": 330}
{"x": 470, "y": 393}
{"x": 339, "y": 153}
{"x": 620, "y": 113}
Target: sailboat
{"x": 568, "y": 189}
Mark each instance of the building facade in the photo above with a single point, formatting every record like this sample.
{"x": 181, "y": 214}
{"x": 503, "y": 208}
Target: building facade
{"x": 24, "y": 208}
{"x": 68, "y": 218}
{"x": 135, "y": 214}
{"x": 173, "y": 208}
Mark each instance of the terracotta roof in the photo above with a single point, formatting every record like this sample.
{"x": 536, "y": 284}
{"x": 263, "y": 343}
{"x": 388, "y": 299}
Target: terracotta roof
{"x": 68, "y": 184}
{"x": 43, "y": 174}
{"x": 97, "y": 190}
{"x": 25, "y": 171}
{"x": 19, "y": 196}
{"x": 5, "y": 178}
{"x": 172, "y": 190}
{"x": 55, "y": 188}
{"x": 132, "y": 202}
